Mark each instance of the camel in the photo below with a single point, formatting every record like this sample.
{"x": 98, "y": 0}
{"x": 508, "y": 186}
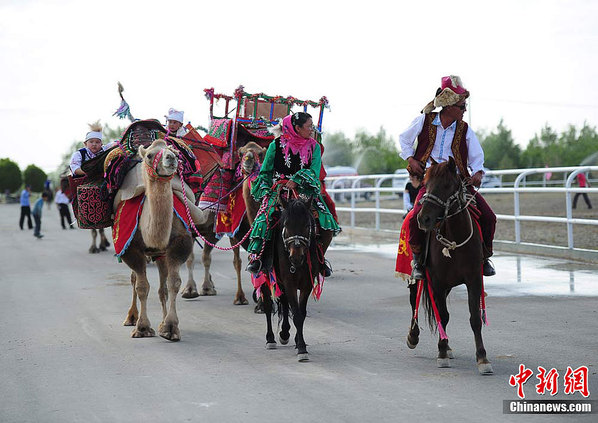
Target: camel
{"x": 251, "y": 157}
{"x": 159, "y": 235}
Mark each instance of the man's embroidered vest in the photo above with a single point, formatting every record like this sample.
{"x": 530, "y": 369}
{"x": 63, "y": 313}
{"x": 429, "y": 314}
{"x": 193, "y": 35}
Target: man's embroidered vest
{"x": 427, "y": 138}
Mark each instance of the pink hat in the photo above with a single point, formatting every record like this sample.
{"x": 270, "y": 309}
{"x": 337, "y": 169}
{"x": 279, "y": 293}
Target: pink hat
{"x": 454, "y": 83}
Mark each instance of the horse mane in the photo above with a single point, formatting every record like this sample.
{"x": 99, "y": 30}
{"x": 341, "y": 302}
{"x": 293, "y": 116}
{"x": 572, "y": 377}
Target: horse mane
{"x": 439, "y": 170}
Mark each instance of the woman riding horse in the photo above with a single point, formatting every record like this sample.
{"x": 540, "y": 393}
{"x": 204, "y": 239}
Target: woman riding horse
{"x": 294, "y": 157}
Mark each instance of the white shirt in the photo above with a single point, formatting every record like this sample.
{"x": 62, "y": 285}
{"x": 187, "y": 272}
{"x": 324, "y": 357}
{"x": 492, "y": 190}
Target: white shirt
{"x": 76, "y": 159}
{"x": 181, "y": 132}
{"x": 442, "y": 147}
{"x": 61, "y": 198}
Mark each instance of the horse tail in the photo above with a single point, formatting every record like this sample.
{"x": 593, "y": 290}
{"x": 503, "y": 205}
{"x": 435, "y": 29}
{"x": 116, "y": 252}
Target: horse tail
{"x": 428, "y": 308}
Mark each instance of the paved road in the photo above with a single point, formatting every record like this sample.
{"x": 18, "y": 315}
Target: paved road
{"x": 66, "y": 357}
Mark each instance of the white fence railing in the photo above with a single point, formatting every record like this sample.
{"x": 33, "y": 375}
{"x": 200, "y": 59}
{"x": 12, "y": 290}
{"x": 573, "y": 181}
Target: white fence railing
{"x": 367, "y": 185}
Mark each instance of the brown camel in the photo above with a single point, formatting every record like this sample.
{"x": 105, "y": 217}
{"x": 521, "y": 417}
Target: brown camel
{"x": 251, "y": 157}
{"x": 159, "y": 235}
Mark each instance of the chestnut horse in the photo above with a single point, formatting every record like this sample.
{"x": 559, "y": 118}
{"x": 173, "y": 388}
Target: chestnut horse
{"x": 296, "y": 263}
{"x": 454, "y": 257}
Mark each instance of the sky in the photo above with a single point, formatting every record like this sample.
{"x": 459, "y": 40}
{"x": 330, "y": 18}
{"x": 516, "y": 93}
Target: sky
{"x": 528, "y": 62}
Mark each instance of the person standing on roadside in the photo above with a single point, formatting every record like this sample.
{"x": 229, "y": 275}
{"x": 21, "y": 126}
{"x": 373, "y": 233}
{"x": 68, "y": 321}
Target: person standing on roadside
{"x": 583, "y": 183}
{"x": 62, "y": 201}
{"x": 37, "y": 214}
{"x": 25, "y": 207}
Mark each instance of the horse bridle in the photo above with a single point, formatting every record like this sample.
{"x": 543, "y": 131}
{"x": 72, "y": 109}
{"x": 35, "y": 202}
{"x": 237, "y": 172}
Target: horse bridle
{"x": 297, "y": 240}
{"x": 456, "y": 197}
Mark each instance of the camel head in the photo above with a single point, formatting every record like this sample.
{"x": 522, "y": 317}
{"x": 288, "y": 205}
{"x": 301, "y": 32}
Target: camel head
{"x": 251, "y": 155}
{"x": 160, "y": 159}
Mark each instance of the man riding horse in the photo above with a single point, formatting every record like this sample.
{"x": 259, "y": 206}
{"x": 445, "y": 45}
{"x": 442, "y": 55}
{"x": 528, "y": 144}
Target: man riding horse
{"x": 440, "y": 136}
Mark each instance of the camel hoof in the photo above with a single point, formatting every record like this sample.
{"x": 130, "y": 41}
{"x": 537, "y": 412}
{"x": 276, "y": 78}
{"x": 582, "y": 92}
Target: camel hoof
{"x": 207, "y": 292}
{"x": 93, "y": 250}
{"x": 169, "y": 331}
{"x": 102, "y": 248}
{"x": 443, "y": 362}
{"x": 282, "y": 340}
{"x": 485, "y": 368}
{"x": 143, "y": 333}
{"x": 130, "y": 321}
{"x": 410, "y": 344}
{"x": 303, "y": 357}
{"x": 271, "y": 345}
{"x": 189, "y": 293}
{"x": 240, "y": 301}
{"x": 449, "y": 354}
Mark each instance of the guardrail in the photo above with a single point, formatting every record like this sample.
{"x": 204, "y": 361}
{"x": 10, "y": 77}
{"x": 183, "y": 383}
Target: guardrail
{"x": 520, "y": 185}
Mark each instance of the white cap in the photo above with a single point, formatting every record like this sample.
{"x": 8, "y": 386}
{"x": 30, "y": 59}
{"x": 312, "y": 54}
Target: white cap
{"x": 175, "y": 115}
{"x": 93, "y": 134}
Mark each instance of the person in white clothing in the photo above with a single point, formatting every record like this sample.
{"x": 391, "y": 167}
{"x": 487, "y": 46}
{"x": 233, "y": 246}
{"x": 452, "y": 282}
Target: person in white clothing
{"x": 93, "y": 147}
{"x": 62, "y": 201}
{"x": 440, "y": 136}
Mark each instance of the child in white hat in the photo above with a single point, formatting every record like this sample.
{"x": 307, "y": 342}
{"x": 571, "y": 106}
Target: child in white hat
{"x": 175, "y": 123}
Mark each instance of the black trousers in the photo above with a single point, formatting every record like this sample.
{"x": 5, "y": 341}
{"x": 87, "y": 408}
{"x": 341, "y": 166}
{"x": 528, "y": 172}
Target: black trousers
{"x": 25, "y": 211}
{"x": 38, "y": 225}
{"x": 65, "y": 213}
{"x": 585, "y": 197}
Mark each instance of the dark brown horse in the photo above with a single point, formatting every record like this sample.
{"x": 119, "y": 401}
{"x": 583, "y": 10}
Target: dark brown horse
{"x": 296, "y": 264}
{"x": 454, "y": 257}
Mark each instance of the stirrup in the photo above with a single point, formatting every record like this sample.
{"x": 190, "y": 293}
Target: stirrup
{"x": 326, "y": 269}
{"x": 418, "y": 271}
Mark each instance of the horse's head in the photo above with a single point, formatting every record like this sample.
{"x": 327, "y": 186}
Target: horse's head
{"x": 298, "y": 228}
{"x": 252, "y": 155}
{"x": 160, "y": 159}
{"x": 443, "y": 189}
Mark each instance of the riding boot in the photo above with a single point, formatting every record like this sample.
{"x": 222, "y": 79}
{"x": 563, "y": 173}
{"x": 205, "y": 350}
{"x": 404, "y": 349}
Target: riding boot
{"x": 254, "y": 266}
{"x": 418, "y": 271}
{"x": 326, "y": 269}
{"x": 488, "y": 268}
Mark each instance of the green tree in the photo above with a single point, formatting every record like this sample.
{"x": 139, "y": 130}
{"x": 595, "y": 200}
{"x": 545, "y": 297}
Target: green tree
{"x": 376, "y": 153}
{"x": 35, "y": 177}
{"x": 500, "y": 150}
{"x": 338, "y": 150}
{"x": 10, "y": 176}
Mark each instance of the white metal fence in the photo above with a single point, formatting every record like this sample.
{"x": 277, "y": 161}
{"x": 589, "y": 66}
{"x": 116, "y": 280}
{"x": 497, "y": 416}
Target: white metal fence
{"x": 522, "y": 181}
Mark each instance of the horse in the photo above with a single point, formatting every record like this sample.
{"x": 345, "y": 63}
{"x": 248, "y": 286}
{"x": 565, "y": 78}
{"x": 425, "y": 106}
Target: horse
{"x": 296, "y": 262}
{"x": 449, "y": 264}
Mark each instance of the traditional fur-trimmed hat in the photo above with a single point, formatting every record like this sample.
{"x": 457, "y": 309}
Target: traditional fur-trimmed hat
{"x": 451, "y": 92}
{"x": 95, "y": 131}
{"x": 175, "y": 115}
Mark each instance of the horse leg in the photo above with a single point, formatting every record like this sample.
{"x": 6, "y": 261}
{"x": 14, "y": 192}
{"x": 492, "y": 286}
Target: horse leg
{"x": 103, "y": 241}
{"x": 284, "y": 335}
{"x": 240, "y": 295}
{"x": 474, "y": 292}
{"x": 190, "y": 290}
{"x": 443, "y": 347}
{"x": 413, "y": 335}
{"x": 135, "y": 259}
{"x": 163, "y": 289}
{"x": 133, "y": 313}
{"x": 208, "y": 286}
{"x": 299, "y": 313}
{"x": 93, "y": 249}
{"x": 267, "y": 302}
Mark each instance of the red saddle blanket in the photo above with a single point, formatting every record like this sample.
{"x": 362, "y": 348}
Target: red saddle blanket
{"x": 126, "y": 221}
{"x": 404, "y": 255}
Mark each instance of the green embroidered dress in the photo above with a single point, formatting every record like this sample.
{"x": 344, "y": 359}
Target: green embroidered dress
{"x": 276, "y": 167}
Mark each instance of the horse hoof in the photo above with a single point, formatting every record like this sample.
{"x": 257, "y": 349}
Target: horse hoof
{"x": 443, "y": 362}
{"x": 282, "y": 340}
{"x": 271, "y": 345}
{"x": 302, "y": 357}
{"x": 449, "y": 354}
{"x": 485, "y": 369}
{"x": 411, "y": 345}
